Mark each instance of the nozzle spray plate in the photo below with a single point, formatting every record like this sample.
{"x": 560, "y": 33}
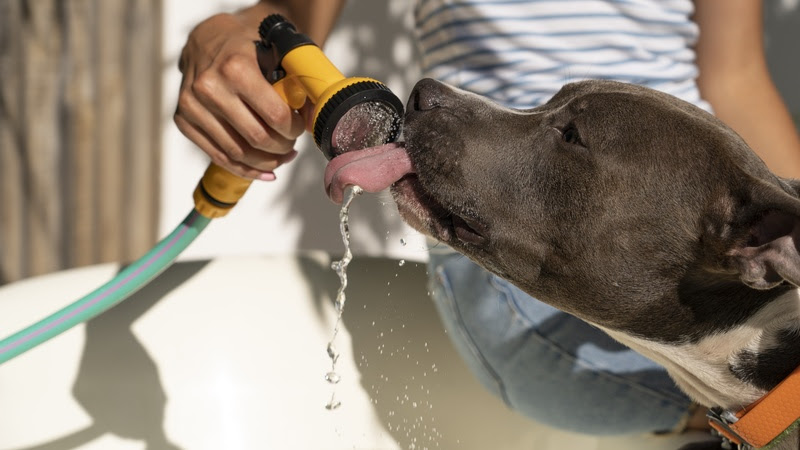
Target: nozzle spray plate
{"x": 364, "y": 114}
{"x": 367, "y": 124}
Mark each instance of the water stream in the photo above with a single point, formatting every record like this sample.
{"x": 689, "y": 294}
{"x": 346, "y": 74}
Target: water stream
{"x": 350, "y": 193}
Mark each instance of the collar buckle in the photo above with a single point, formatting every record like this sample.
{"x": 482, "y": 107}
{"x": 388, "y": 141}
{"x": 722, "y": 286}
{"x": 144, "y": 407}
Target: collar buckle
{"x": 721, "y": 422}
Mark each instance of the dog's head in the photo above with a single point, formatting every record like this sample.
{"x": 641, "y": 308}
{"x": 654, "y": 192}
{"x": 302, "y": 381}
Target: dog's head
{"x": 625, "y": 206}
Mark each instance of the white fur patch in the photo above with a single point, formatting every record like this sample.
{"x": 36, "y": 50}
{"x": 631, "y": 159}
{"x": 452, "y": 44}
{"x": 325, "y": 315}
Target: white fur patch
{"x": 701, "y": 369}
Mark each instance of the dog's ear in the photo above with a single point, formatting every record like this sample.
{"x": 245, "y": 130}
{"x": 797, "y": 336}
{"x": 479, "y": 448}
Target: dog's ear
{"x": 769, "y": 254}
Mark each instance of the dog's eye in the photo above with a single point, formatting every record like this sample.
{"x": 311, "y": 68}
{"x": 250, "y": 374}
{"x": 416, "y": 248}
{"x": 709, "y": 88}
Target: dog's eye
{"x": 570, "y": 135}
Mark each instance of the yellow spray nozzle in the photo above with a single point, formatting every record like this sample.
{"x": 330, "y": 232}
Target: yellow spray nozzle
{"x": 296, "y": 66}
{"x": 299, "y": 71}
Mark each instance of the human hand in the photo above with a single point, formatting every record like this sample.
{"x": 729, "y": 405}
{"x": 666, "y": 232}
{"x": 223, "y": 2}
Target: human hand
{"x": 227, "y": 108}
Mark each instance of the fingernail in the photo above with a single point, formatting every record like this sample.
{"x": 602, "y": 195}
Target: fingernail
{"x": 267, "y": 176}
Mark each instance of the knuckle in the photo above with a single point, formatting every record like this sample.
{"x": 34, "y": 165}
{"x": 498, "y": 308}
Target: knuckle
{"x": 279, "y": 117}
{"x": 221, "y": 160}
{"x": 184, "y": 126}
{"x": 206, "y": 84}
{"x": 234, "y": 66}
{"x": 179, "y": 121}
{"x": 257, "y": 137}
{"x": 184, "y": 104}
{"x": 234, "y": 153}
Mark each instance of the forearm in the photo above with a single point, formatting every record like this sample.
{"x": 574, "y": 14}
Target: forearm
{"x": 734, "y": 78}
{"x": 750, "y": 104}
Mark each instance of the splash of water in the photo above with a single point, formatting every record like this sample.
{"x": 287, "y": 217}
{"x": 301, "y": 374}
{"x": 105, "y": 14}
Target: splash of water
{"x": 350, "y": 193}
{"x": 367, "y": 124}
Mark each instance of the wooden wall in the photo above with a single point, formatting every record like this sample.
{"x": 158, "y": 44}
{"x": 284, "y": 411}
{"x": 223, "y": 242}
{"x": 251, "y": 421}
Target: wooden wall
{"x": 79, "y": 132}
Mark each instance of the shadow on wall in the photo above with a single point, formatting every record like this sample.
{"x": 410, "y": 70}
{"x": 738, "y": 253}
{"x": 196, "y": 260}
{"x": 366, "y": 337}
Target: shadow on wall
{"x": 377, "y": 37}
{"x": 782, "y": 32}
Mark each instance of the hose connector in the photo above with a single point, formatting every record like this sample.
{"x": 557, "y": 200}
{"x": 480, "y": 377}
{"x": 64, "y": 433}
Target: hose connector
{"x": 218, "y": 192}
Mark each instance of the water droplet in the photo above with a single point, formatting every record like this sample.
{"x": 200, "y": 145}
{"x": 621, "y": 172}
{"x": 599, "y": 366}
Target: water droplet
{"x": 333, "y": 404}
{"x": 333, "y": 354}
{"x": 333, "y": 377}
{"x": 402, "y": 262}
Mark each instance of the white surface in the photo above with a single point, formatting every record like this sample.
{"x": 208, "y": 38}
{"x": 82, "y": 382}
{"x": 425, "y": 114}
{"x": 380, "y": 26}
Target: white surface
{"x": 230, "y": 354}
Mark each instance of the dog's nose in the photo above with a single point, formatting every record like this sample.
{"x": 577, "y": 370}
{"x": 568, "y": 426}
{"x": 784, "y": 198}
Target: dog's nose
{"x": 427, "y": 94}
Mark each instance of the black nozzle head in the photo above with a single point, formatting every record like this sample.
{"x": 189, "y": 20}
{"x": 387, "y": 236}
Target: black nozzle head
{"x": 363, "y": 114}
{"x": 271, "y": 23}
{"x": 280, "y": 36}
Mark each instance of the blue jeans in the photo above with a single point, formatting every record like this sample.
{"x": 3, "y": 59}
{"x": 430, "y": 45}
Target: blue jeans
{"x": 546, "y": 364}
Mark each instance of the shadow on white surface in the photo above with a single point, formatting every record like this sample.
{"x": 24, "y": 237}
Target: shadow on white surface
{"x": 230, "y": 354}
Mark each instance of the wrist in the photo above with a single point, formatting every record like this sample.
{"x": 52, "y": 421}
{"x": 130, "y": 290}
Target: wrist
{"x": 252, "y": 16}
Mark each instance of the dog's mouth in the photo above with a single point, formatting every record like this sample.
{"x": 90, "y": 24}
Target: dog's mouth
{"x": 375, "y": 169}
{"x": 425, "y": 212}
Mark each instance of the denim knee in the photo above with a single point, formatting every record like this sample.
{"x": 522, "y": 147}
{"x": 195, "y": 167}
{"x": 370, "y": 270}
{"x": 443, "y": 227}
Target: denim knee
{"x": 546, "y": 364}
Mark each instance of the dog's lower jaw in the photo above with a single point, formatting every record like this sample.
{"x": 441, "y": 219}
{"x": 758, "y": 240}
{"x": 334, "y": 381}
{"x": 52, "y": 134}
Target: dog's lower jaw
{"x": 418, "y": 211}
{"x": 703, "y": 368}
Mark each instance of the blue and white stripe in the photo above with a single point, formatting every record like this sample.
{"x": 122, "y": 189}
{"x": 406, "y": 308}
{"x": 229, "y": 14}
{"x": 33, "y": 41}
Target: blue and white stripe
{"x": 520, "y": 52}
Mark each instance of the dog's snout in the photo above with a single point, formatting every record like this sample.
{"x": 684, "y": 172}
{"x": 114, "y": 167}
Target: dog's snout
{"x": 427, "y": 94}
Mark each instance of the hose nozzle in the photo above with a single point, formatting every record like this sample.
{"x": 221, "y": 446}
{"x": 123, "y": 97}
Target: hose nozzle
{"x": 349, "y": 114}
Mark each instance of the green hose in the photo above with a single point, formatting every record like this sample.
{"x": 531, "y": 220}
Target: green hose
{"x": 128, "y": 281}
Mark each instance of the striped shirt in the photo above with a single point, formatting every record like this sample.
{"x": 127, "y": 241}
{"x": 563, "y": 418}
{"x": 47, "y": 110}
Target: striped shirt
{"x": 520, "y": 52}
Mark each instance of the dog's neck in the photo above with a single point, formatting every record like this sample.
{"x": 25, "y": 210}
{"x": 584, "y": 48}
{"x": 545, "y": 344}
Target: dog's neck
{"x": 706, "y": 369}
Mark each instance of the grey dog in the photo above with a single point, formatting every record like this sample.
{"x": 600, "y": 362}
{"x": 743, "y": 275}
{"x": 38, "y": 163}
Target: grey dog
{"x": 635, "y": 211}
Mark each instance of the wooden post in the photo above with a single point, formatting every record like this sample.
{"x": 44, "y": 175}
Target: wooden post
{"x": 110, "y": 137}
{"x": 12, "y": 212}
{"x": 80, "y": 123}
{"x": 79, "y": 132}
{"x": 143, "y": 95}
{"x": 41, "y": 135}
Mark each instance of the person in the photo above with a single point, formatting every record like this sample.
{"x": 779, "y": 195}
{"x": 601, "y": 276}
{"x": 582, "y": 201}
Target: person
{"x": 542, "y": 362}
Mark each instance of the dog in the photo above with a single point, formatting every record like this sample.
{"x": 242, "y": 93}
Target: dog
{"x": 626, "y": 207}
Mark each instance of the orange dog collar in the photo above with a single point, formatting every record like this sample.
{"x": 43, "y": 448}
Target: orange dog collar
{"x": 761, "y": 423}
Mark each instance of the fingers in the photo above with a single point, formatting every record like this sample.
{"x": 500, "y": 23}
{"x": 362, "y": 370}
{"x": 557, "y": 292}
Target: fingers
{"x": 218, "y": 155}
{"x": 233, "y": 114}
{"x": 262, "y": 100}
{"x": 225, "y": 146}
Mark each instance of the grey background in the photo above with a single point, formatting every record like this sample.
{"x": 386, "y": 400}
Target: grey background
{"x": 782, "y": 38}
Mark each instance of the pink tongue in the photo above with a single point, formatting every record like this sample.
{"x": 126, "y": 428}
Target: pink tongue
{"x": 374, "y": 169}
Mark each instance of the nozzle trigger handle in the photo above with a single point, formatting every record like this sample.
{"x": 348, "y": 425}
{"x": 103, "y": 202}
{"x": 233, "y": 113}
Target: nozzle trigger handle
{"x": 288, "y": 87}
